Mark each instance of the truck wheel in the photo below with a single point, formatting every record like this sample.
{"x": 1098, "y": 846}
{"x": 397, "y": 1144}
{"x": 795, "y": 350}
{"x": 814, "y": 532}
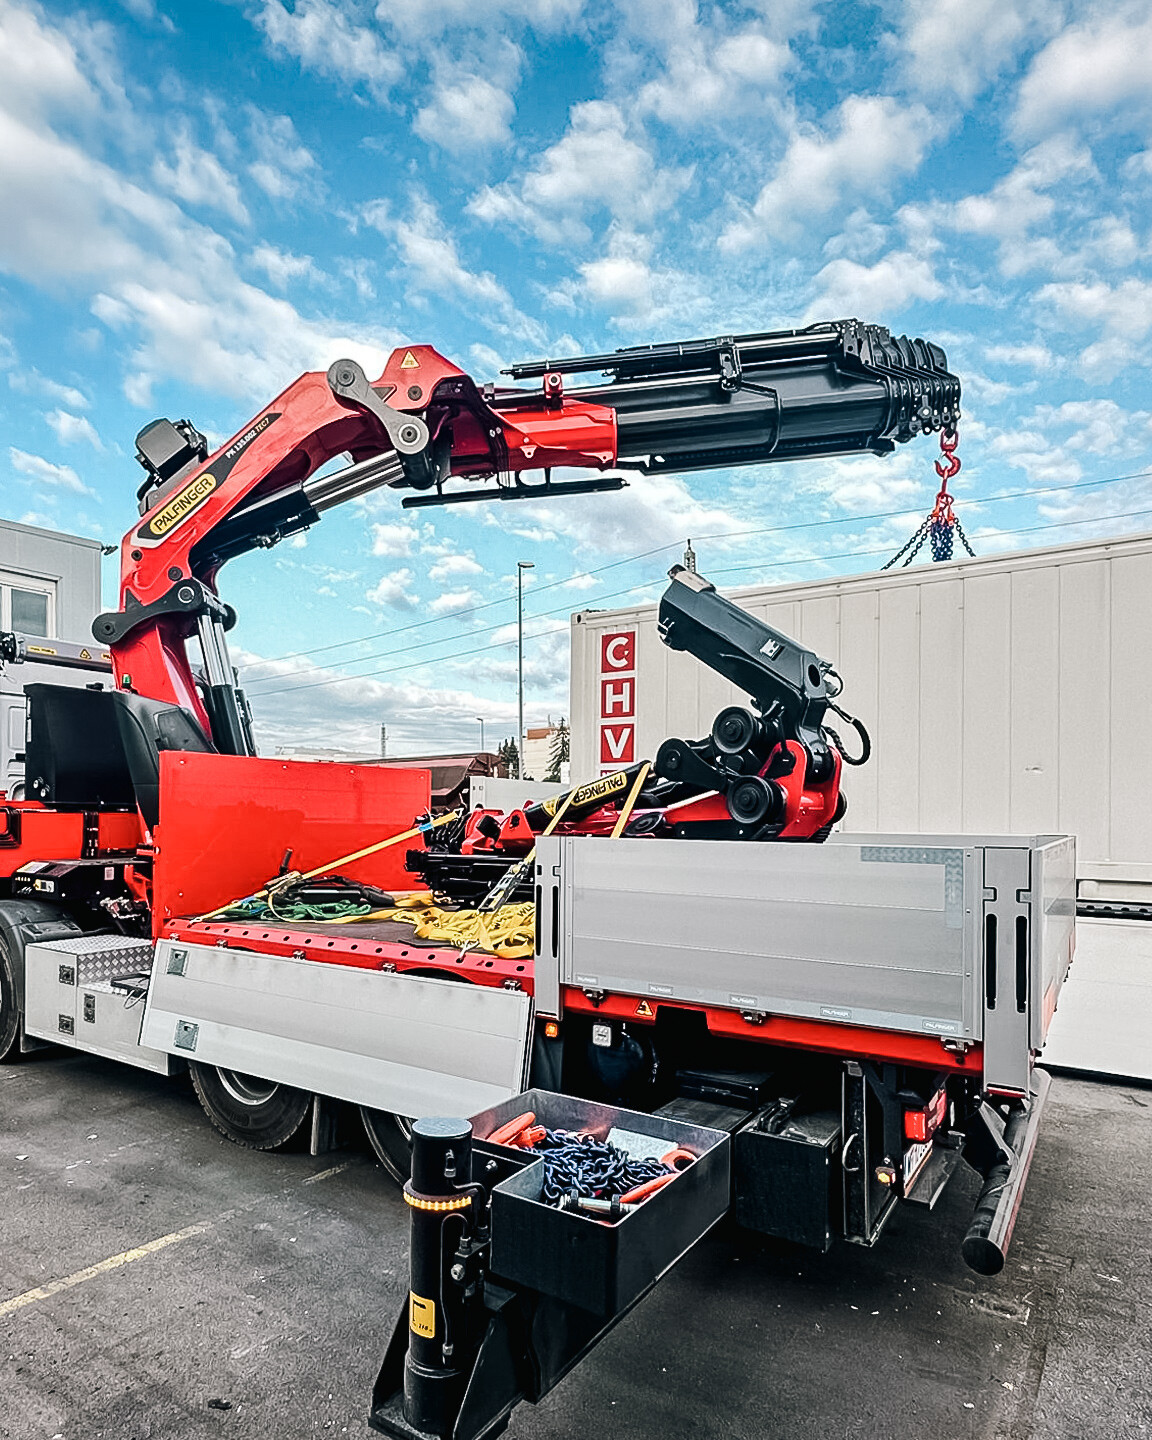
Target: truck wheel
{"x": 9, "y": 1008}
{"x": 391, "y": 1138}
{"x": 253, "y": 1112}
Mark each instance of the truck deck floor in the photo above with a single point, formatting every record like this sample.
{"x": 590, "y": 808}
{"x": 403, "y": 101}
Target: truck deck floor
{"x": 281, "y": 1276}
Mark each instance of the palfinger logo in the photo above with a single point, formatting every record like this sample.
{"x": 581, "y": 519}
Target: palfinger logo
{"x": 180, "y": 506}
{"x": 600, "y": 790}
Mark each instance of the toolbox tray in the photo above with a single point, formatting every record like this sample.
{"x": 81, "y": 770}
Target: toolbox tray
{"x": 599, "y": 1267}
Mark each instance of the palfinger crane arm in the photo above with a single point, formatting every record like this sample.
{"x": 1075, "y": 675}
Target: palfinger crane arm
{"x": 830, "y": 389}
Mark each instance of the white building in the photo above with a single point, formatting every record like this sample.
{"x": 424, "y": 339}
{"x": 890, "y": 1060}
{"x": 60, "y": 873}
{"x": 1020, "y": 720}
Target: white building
{"x": 49, "y": 588}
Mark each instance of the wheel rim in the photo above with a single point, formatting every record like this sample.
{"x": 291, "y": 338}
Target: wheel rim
{"x": 246, "y": 1089}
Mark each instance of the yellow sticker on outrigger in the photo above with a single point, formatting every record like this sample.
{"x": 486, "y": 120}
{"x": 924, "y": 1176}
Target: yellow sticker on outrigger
{"x": 421, "y": 1316}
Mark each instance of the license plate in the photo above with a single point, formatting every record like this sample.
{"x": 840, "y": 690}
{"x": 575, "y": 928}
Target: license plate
{"x": 915, "y": 1158}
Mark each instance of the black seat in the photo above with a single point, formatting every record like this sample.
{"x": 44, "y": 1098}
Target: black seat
{"x": 146, "y": 727}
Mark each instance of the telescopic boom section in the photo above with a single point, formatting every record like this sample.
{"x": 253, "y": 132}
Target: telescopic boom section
{"x": 827, "y": 390}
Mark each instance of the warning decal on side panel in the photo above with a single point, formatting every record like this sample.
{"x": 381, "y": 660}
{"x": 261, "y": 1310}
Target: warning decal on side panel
{"x": 645, "y": 1010}
{"x": 409, "y": 361}
{"x": 421, "y": 1315}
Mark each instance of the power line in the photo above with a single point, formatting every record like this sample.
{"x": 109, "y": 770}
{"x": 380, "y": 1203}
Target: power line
{"x": 660, "y": 549}
{"x": 459, "y": 614}
{"x": 727, "y": 570}
{"x": 444, "y": 639}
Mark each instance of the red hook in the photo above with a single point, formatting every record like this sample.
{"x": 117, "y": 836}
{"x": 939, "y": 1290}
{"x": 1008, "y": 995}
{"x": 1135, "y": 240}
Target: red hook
{"x": 949, "y": 465}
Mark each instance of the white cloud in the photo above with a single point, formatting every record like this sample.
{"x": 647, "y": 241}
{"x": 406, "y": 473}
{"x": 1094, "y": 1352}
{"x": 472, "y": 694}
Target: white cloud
{"x": 1022, "y": 201}
{"x": 44, "y": 472}
{"x": 707, "y": 70}
{"x": 1032, "y": 356}
{"x": 427, "y": 20}
{"x": 421, "y": 718}
{"x": 626, "y": 283}
{"x": 282, "y": 267}
{"x": 394, "y": 591}
{"x": 321, "y": 36}
{"x": 31, "y": 382}
{"x": 40, "y": 68}
{"x": 394, "y": 541}
{"x": 1122, "y": 314}
{"x": 595, "y": 166}
{"x": 1093, "y": 68}
{"x": 958, "y": 46}
{"x": 875, "y": 291}
{"x": 861, "y": 238}
{"x": 71, "y": 429}
{"x": 451, "y": 565}
{"x": 282, "y": 164}
{"x": 429, "y": 253}
{"x": 454, "y": 600}
{"x": 875, "y": 141}
{"x": 581, "y": 582}
{"x": 198, "y": 178}
{"x": 168, "y": 284}
{"x": 1050, "y": 444}
{"x": 859, "y": 485}
{"x": 465, "y": 113}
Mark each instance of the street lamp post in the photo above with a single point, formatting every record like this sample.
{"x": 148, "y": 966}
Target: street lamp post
{"x": 521, "y": 566}
{"x": 481, "y": 720}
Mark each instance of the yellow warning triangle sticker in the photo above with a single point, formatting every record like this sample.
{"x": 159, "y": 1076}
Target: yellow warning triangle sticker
{"x": 644, "y": 1009}
{"x": 409, "y": 361}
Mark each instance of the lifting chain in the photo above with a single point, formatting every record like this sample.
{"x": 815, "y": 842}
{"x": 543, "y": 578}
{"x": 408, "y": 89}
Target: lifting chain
{"x": 941, "y": 525}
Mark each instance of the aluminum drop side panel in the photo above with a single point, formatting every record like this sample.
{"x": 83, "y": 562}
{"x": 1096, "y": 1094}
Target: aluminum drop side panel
{"x": 398, "y": 1043}
{"x": 862, "y": 934}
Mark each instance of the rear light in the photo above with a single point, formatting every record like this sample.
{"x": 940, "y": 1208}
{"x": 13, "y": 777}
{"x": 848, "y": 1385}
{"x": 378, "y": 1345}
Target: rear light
{"x": 916, "y": 1125}
{"x": 920, "y": 1125}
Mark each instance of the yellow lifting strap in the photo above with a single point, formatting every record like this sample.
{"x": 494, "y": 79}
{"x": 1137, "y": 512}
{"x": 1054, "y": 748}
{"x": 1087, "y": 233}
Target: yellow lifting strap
{"x": 509, "y": 932}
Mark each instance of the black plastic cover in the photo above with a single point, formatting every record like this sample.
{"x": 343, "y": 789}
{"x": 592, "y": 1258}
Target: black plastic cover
{"x": 75, "y": 758}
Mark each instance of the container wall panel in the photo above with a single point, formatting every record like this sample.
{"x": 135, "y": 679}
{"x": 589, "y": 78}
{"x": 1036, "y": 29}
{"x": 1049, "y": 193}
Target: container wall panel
{"x": 940, "y": 752}
{"x": 1035, "y": 697}
{"x": 1130, "y": 780}
{"x": 896, "y": 739}
{"x": 1084, "y": 709}
{"x": 986, "y": 751}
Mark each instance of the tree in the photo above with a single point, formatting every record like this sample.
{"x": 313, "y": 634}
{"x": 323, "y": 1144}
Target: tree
{"x": 559, "y": 753}
{"x": 507, "y": 757}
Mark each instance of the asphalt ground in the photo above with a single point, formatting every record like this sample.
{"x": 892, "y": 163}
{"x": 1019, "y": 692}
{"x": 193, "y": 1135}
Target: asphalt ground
{"x": 170, "y": 1284}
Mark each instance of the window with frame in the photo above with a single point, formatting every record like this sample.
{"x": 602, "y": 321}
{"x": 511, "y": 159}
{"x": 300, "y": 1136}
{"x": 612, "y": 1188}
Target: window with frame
{"x": 27, "y": 605}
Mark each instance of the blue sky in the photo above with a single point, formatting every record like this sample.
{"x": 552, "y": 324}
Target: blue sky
{"x": 200, "y": 200}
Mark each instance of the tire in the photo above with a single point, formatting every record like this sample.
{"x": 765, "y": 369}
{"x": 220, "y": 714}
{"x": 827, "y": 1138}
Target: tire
{"x": 391, "y": 1138}
{"x": 251, "y": 1112}
{"x": 9, "y": 1008}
